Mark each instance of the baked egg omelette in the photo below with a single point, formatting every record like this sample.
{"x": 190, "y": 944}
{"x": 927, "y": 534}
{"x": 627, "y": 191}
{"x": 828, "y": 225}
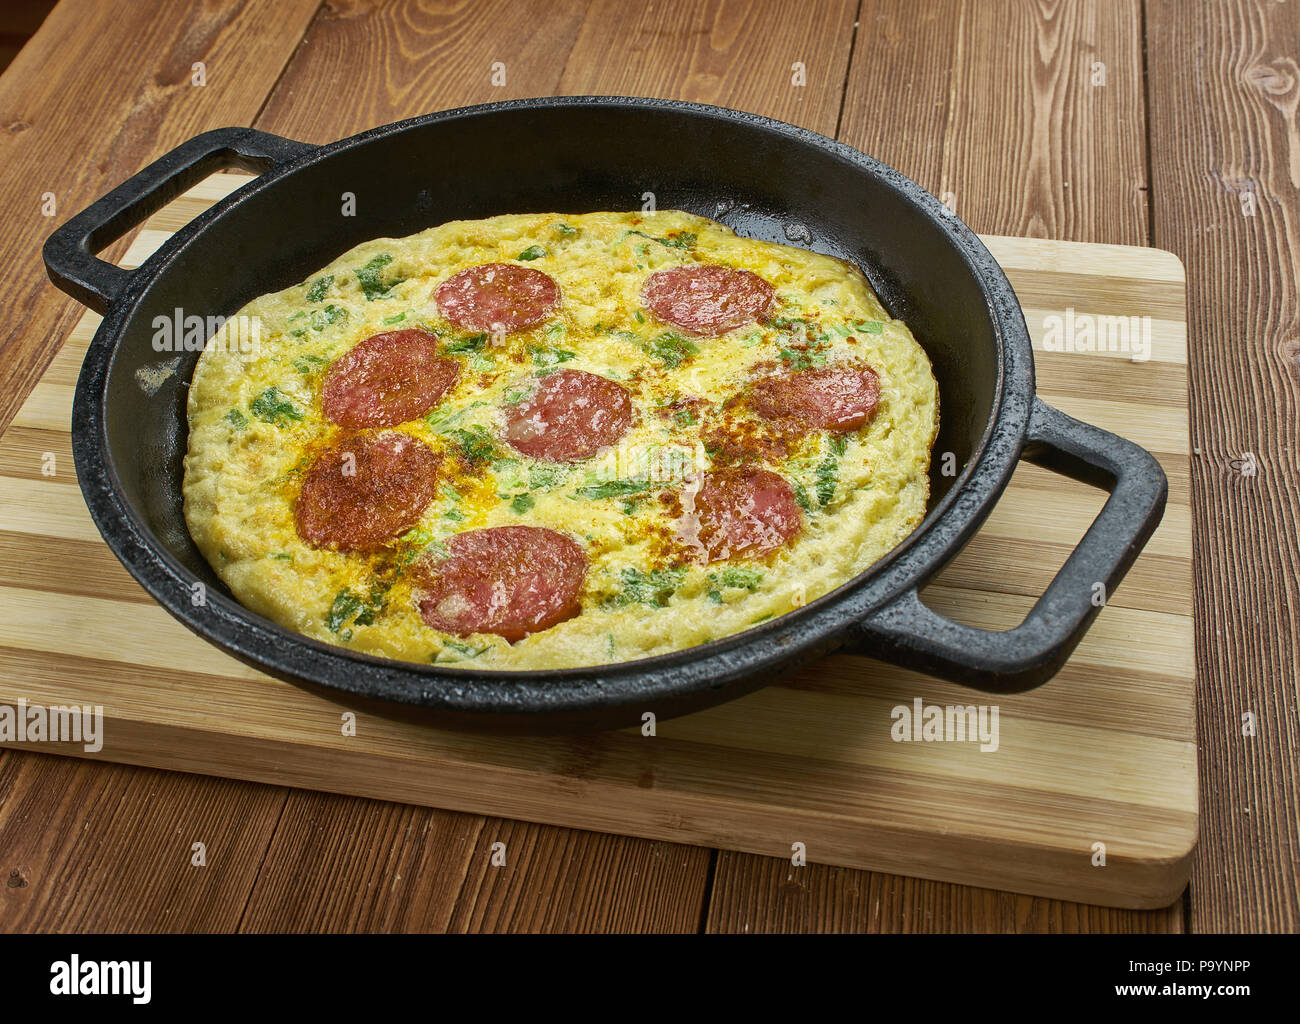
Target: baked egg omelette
{"x": 548, "y": 441}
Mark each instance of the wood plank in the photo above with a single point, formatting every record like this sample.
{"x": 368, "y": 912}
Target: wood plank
{"x": 1001, "y": 113}
{"x": 105, "y": 848}
{"x": 1225, "y": 154}
{"x": 409, "y": 869}
{"x": 402, "y": 60}
{"x": 134, "y": 876}
{"x": 727, "y": 52}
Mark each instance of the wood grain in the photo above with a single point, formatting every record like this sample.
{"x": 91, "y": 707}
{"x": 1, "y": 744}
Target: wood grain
{"x": 1225, "y": 138}
{"x": 364, "y": 63}
{"x": 728, "y": 52}
{"x": 995, "y": 105}
{"x": 999, "y": 114}
{"x": 53, "y": 137}
{"x": 343, "y": 864}
{"x": 763, "y": 894}
{"x": 101, "y": 848}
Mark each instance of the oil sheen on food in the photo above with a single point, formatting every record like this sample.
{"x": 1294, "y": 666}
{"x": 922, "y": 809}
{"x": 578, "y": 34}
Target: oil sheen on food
{"x": 547, "y": 441}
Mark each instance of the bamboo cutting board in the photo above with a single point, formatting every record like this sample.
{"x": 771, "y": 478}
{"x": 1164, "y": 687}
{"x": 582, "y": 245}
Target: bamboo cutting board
{"x": 1098, "y": 765}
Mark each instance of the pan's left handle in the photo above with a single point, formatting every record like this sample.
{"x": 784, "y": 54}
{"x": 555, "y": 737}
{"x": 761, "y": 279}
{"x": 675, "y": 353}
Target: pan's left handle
{"x": 70, "y": 252}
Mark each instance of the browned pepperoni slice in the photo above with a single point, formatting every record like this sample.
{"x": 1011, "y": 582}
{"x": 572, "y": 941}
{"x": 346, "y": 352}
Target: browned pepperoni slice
{"x": 387, "y": 379}
{"x": 707, "y": 300}
{"x": 508, "y": 580}
{"x": 745, "y": 512}
{"x": 365, "y": 491}
{"x": 480, "y": 298}
{"x": 838, "y": 398}
{"x": 571, "y": 416}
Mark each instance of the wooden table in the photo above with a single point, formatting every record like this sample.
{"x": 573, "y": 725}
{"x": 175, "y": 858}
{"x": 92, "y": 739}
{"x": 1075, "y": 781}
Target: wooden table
{"x": 1162, "y": 123}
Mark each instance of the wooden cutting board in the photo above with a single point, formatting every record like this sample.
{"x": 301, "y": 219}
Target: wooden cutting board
{"x": 1101, "y": 760}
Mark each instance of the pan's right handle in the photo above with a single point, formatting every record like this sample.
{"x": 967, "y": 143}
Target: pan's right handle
{"x": 70, "y": 252}
{"x": 910, "y": 634}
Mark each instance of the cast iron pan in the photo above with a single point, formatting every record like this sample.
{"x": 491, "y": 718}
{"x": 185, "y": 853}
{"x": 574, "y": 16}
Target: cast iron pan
{"x": 767, "y": 180}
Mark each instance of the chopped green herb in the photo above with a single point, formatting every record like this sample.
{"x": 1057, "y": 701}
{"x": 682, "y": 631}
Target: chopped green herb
{"x": 388, "y": 320}
{"x": 319, "y": 287}
{"x": 322, "y": 318}
{"x": 614, "y": 489}
{"x": 476, "y": 444}
{"x": 453, "y": 515}
{"x": 466, "y": 649}
{"x": 471, "y": 343}
{"x": 420, "y": 540}
{"x": 296, "y": 316}
{"x": 741, "y": 579}
{"x": 550, "y": 356}
{"x": 521, "y": 504}
{"x": 638, "y": 316}
{"x": 533, "y": 252}
{"x": 654, "y": 588}
{"x": 802, "y": 358}
{"x": 546, "y": 476}
{"x": 870, "y": 327}
{"x": 350, "y": 607}
{"x": 839, "y": 443}
{"x": 565, "y": 229}
{"x": 370, "y": 277}
{"x": 273, "y": 407}
{"x": 237, "y": 419}
{"x": 515, "y": 397}
{"x": 284, "y": 556}
{"x": 438, "y": 419}
{"x": 671, "y": 349}
{"x": 684, "y": 417}
{"x": 682, "y": 240}
{"x": 761, "y": 618}
{"x": 826, "y": 477}
{"x": 309, "y": 364}
{"x": 801, "y": 496}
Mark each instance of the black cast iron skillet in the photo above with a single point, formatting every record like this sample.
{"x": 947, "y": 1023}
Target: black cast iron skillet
{"x": 767, "y": 180}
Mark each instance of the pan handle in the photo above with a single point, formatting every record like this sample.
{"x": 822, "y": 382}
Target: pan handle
{"x": 908, "y": 633}
{"x": 70, "y": 252}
